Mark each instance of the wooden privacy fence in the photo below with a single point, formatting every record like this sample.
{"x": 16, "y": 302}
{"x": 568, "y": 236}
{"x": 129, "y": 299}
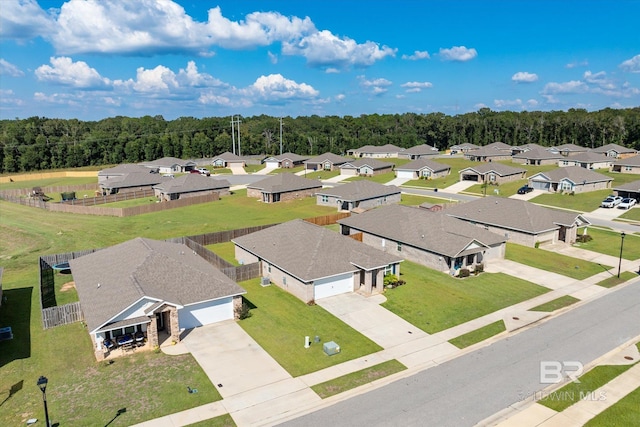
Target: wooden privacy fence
{"x": 62, "y": 315}
{"x": 328, "y": 219}
{"x": 119, "y": 197}
{"x": 18, "y": 192}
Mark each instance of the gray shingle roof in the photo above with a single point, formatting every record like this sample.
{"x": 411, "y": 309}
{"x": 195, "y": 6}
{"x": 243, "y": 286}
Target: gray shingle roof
{"x": 489, "y": 151}
{"x": 124, "y": 169}
{"x": 331, "y": 157}
{"x": 421, "y": 228}
{"x": 168, "y": 161}
{"x": 629, "y": 161}
{"x": 192, "y": 182}
{"x": 588, "y": 157}
{"x": 134, "y": 179}
{"x": 575, "y": 174}
{"x": 421, "y": 149}
{"x": 629, "y": 186}
{"x": 228, "y": 157}
{"x": 538, "y": 154}
{"x": 373, "y": 163}
{"x": 375, "y": 149}
{"x": 498, "y": 168}
{"x": 513, "y": 214}
{"x": 613, "y": 147}
{"x": 291, "y": 156}
{"x": 285, "y": 182}
{"x": 499, "y": 145}
{"x": 112, "y": 279}
{"x": 421, "y": 164}
{"x": 466, "y": 145}
{"x": 359, "y": 190}
{"x": 310, "y": 252}
{"x": 571, "y": 148}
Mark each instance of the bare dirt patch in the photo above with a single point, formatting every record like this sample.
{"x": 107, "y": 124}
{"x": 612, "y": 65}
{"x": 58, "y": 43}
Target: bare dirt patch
{"x": 68, "y": 286}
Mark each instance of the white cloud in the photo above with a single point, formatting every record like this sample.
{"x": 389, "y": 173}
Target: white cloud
{"x": 159, "y": 79}
{"x": 8, "y": 69}
{"x": 577, "y": 64}
{"x": 573, "y": 86}
{"x": 24, "y": 19}
{"x": 273, "y": 58}
{"x": 64, "y": 71}
{"x": 191, "y": 77}
{"x": 340, "y": 97}
{"x": 631, "y": 65}
{"x": 326, "y": 50}
{"x": 418, "y": 54}
{"x": 414, "y": 87}
{"x": 599, "y": 79}
{"x": 515, "y": 103}
{"x": 480, "y": 105}
{"x": 332, "y": 70}
{"x": 375, "y": 86}
{"x": 276, "y": 88}
{"x": 458, "y": 53}
{"x": 524, "y": 77}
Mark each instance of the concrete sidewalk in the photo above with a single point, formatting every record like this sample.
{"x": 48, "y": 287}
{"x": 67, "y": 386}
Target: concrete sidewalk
{"x": 459, "y": 186}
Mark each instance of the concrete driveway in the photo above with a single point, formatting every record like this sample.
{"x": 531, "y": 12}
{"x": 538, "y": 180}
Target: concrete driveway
{"x": 528, "y": 196}
{"x": 230, "y": 357}
{"x": 459, "y": 186}
{"x": 607, "y": 213}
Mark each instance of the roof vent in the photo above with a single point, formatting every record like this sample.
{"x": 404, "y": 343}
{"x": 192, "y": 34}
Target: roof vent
{"x": 99, "y": 285}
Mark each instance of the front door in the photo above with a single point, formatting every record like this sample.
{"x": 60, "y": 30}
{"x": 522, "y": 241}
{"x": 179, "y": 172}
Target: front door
{"x": 160, "y": 321}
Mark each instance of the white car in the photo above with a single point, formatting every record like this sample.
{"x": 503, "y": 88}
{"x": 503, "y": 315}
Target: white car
{"x": 611, "y": 202}
{"x": 627, "y": 203}
{"x": 204, "y": 171}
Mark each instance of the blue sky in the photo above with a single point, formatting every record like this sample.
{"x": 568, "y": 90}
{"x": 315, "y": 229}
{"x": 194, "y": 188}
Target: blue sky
{"x": 101, "y": 58}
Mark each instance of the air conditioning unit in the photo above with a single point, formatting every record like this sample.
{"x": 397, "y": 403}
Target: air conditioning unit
{"x": 265, "y": 281}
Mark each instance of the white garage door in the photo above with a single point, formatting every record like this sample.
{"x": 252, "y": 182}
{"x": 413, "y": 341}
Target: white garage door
{"x": 349, "y": 172}
{"x": 272, "y": 165}
{"x": 333, "y": 286}
{"x": 405, "y": 174}
{"x": 205, "y": 313}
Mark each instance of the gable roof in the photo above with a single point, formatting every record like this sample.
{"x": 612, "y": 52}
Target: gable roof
{"x": 466, "y": 145}
{"x": 419, "y": 164}
{"x": 613, "y": 147}
{"x": 499, "y": 146}
{"x": 168, "y": 161}
{"x": 310, "y": 252}
{"x": 530, "y": 146}
{"x": 514, "y": 214}
{"x": 359, "y": 190}
{"x": 570, "y": 148}
{"x": 489, "y": 151}
{"x": 498, "y": 168}
{"x": 575, "y": 174}
{"x": 287, "y": 156}
{"x": 421, "y": 149}
{"x": 377, "y": 149}
{"x": 331, "y": 157}
{"x": 589, "y": 157}
{"x": 191, "y": 182}
{"x": 629, "y": 186}
{"x": 629, "y": 161}
{"x": 372, "y": 163}
{"x": 228, "y": 157}
{"x": 124, "y": 169}
{"x": 537, "y": 154}
{"x": 421, "y": 228}
{"x": 285, "y": 182}
{"x": 110, "y": 280}
{"x": 126, "y": 176}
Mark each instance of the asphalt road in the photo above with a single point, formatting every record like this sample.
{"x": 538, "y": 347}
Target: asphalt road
{"x": 473, "y": 387}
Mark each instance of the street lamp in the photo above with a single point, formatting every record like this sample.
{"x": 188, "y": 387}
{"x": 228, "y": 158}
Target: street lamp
{"x": 42, "y": 383}
{"x": 621, "y": 244}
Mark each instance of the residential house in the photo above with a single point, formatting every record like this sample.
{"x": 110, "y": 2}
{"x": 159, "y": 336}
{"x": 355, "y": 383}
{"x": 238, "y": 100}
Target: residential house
{"x": 536, "y": 157}
{"x": 520, "y": 221}
{"x": 463, "y": 148}
{"x": 227, "y": 159}
{"x": 127, "y": 178}
{"x": 626, "y": 165}
{"x": 422, "y": 168}
{"x": 285, "y": 161}
{"x": 615, "y": 151}
{"x": 490, "y": 153}
{"x": 629, "y": 189}
{"x": 418, "y": 152}
{"x": 492, "y": 173}
{"x": 283, "y": 187}
{"x": 375, "y": 152}
{"x": 358, "y": 195}
{"x": 587, "y": 160}
{"x": 527, "y": 147}
{"x": 169, "y": 165}
{"x": 432, "y": 239}
{"x": 433, "y": 207}
{"x": 313, "y": 262}
{"x": 190, "y": 185}
{"x": 365, "y": 167}
{"x": 326, "y": 161}
{"x": 569, "y": 149}
{"x": 570, "y": 179}
{"x": 150, "y": 287}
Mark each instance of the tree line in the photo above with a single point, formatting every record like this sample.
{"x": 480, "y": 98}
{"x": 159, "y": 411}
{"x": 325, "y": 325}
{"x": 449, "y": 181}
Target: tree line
{"x": 40, "y": 143}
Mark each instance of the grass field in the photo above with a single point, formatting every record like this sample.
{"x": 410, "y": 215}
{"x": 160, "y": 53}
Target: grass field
{"x": 479, "y": 335}
{"x": 556, "y": 304}
{"x": 504, "y": 190}
{"x": 623, "y": 413}
{"x": 380, "y": 179}
{"x": 456, "y": 164}
{"x": 225, "y": 251}
{"x": 358, "y": 378}
{"x": 415, "y": 200}
{"x": 632, "y": 214}
{"x": 608, "y": 242}
{"x": 581, "y": 202}
{"x": 280, "y": 321}
{"x": 434, "y": 301}
{"x": 612, "y": 281}
{"x": 549, "y": 261}
{"x": 51, "y": 182}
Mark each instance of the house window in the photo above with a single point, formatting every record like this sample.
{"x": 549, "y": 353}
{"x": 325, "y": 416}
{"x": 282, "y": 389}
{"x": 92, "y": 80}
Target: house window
{"x": 492, "y": 177}
{"x": 284, "y": 280}
{"x": 565, "y": 163}
{"x": 566, "y": 185}
{"x": 389, "y": 270}
{"x": 325, "y": 199}
{"x": 399, "y": 247}
{"x": 628, "y": 168}
{"x": 269, "y": 268}
{"x": 129, "y": 330}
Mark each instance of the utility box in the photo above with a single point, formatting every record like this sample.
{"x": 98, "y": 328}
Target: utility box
{"x": 330, "y": 348}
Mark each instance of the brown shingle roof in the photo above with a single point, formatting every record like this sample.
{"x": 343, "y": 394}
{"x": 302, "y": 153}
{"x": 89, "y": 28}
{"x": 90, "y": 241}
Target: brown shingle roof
{"x": 421, "y": 228}
{"x": 192, "y": 182}
{"x": 310, "y": 252}
{"x": 285, "y": 182}
{"x": 360, "y": 190}
{"x": 112, "y": 279}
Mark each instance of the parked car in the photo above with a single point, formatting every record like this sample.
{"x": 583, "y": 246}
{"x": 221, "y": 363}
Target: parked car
{"x": 626, "y": 203}
{"x": 203, "y": 171}
{"x": 611, "y": 202}
{"x": 194, "y": 171}
{"x": 525, "y": 189}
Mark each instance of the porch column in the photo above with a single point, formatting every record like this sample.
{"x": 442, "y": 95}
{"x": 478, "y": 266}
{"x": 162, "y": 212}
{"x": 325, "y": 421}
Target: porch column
{"x": 152, "y": 332}
{"x": 368, "y": 279}
{"x": 175, "y": 325}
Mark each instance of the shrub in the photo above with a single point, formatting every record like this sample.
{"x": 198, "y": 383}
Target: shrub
{"x": 584, "y": 238}
{"x": 311, "y": 303}
{"x": 537, "y": 245}
{"x": 479, "y": 268}
{"x": 464, "y": 272}
{"x": 244, "y": 311}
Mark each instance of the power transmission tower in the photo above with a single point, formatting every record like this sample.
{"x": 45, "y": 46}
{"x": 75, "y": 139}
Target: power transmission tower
{"x": 280, "y": 135}
{"x": 238, "y": 121}
{"x": 233, "y": 135}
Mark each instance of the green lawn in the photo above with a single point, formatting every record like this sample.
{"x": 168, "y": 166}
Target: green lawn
{"x": 381, "y": 178}
{"x": 623, "y": 413}
{"x": 254, "y": 168}
{"x": 414, "y": 200}
{"x": 131, "y": 202}
{"x": 581, "y": 202}
{"x": 504, "y": 190}
{"x": 50, "y": 182}
{"x": 456, "y": 163}
{"x": 434, "y": 301}
{"x": 220, "y": 421}
{"x": 550, "y": 261}
{"x": 608, "y": 242}
{"x": 632, "y": 214}
{"x": 566, "y": 396}
{"x": 322, "y": 174}
{"x": 358, "y": 378}
{"x": 612, "y": 281}
{"x": 479, "y": 335}
{"x": 619, "y": 178}
{"x": 280, "y": 321}
{"x": 556, "y": 304}
{"x": 225, "y": 251}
